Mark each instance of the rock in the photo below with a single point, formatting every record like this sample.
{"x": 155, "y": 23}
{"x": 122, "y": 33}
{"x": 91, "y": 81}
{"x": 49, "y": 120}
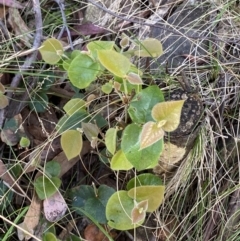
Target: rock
{"x": 188, "y": 20}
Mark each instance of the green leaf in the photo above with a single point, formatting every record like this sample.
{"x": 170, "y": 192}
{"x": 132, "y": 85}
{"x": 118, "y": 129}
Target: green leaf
{"x": 145, "y": 179}
{"x": 52, "y": 168}
{"x": 151, "y": 133}
{"x": 120, "y": 162}
{"x": 39, "y": 102}
{"x": 107, "y": 88}
{"x": 51, "y": 50}
{"x": 74, "y": 105}
{"x": 154, "y": 195}
{"x": 110, "y": 140}
{"x": 149, "y": 47}
{"x": 82, "y": 71}
{"x": 71, "y": 142}
{"x": 24, "y": 142}
{"x": 72, "y": 122}
{"x": 140, "y": 159}
{"x": 94, "y": 46}
{"x": 170, "y": 112}
{"x": 114, "y": 62}
{"x": 46, "y": 187}
{"x": 118, "y": 211}
{"x": 142, "y": 104}
{"x": 84, "y": 197}
{"x": 72, "y": 237}
{"x": 4, "y": 102}
{"x": 2, "y": 88}
{"x": 49, "y": 237}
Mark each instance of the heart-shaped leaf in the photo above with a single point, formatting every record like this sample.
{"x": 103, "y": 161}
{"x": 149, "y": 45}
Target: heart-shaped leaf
{"x": 118, "y": 211}
{"x": 71, "y": 142}
{"x": 110, "y": 140}
{"x": 52, "y": 168}
{"x": 149, "y": 47}
{"x": 46, "y": 187}
{"x": 82, "y": 71}
{"x": 169, "y": 111}
{"x": 130, "y": 145}
{"x": 114, "y": 62}
{"x": 74, "y": 105}
{"x": 141, "y": 105}
{"x": 120, "y": 162}
{"x": 51, "y": 50}
{"x": 94, "y": 46}
{"x": 93, "y": 201}
{"x": 151, "y": 133}
{"x": 145, "y": 179}
{"x": 154, "y": 195}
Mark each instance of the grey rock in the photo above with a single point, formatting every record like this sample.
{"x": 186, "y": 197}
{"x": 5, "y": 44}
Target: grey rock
{"x": 188, "y": 21}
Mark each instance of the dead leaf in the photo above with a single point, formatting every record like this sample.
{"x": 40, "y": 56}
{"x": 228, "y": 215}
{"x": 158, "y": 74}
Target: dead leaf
{"x": 54, "y": 207}
{"x": 12, "y": 130}
{"x": 3, "y": 12}
{"x": 93, "y": 233}
{"x": 19, "y": 27}
{"x": 11, "y": 4}
{"x": 31, "y": 219}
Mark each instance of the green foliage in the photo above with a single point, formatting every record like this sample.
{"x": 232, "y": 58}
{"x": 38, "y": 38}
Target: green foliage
{"x": 136, "y": 144}
{"x": 110, "y": 140}
{"x": 51, "y": 51}
{"x": 170, "y": 112}
{"x": 24, "y": 142}
{"x": 142, "y": 103}
{"x": 118, "y": 211}
{"x": 93, "y": 201}
{"x": 49, "y": 237}
{"x": 52, "y": 169}
{"x": 45, "y": 186}
{"x": 114, "y": 62}
{"x": 74, "y": 105}
{"x": 82, "y": 71}
{"x": 140, "y": 159}
{"x": 39, "y": 102}
{"x": 120, "y": 162}
{"x": 71, "y": 142}
{"x": 149, "y": 47}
